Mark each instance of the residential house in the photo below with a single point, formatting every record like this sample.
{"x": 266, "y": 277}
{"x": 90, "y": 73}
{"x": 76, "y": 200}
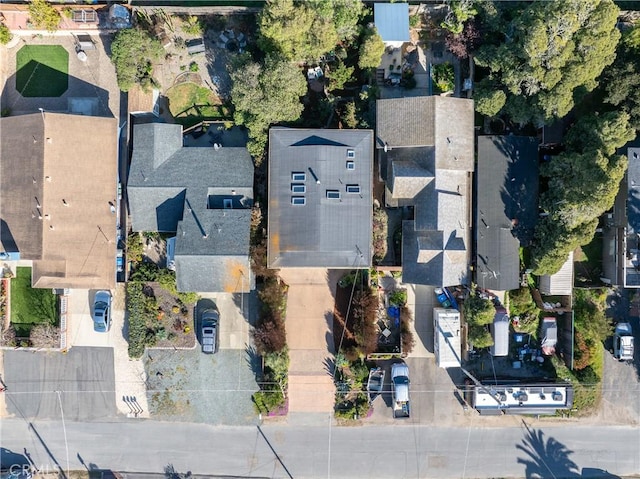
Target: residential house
{"x": 507, "y": 207}
{"x": 426, "y": 158}
{"x": 203, "y": 195}
{"x": 320, "y": 198}
{"x": 631, "y": 237}
{"x": 58, "y": 177}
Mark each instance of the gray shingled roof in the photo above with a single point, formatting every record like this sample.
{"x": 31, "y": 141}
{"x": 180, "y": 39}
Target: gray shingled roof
{"x": 408, "y": 179}
{"x": 328, "y": 233}
{"x": 184, "y": 189}
{"x": 443, "y": 122}
{"x": 507, "y": 182}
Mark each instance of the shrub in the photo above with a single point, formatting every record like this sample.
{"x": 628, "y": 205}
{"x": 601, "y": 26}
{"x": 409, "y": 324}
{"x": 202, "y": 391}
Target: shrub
{"x": 135, "y": 248}
{"x": 406, "y": 335}
{"x": 443, "y": 77}
{"x": 43, "y": 15}
{"x": 364, "y": 309}
{"x": 380, "y": 233}
{"x": 192, "y": 26}
{"x": 270, "y": 334}
{"x": 521, "y": 304}
{"x": 45, "y": 336}
{"x": 277, "y": 365}
{"x": 5, "y": 34}
{"x": 133, "y": 52}
{"x": 193, "y": 67}
{"x": 398, "y": 297}
{"x": 273, "y": 295}
{"x": 479, "y": 336}
{"x": 8, "y": 337}
{"x": 268, "y": 399}
{"x": 478, "y": 311}
{"x": 142, "y": 312}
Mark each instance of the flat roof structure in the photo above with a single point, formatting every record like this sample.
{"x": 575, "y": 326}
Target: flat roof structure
{"x": 392, "y": 22}
{"x": 516, "y": 398}
{"x": 507, "y": 207}
{"x": 320, "y": 198}
{"x": 58, "y": 177}
{"x": 446, "y": 327}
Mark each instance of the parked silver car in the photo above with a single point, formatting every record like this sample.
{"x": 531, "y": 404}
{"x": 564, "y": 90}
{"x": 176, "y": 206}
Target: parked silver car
{"x": 210, "y": 321}
{"x": 102, "y": 311}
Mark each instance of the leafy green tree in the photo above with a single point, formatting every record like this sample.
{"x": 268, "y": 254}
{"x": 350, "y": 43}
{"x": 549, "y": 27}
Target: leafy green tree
{"x": 44, "y": 16}
{"x": 621, "y": 81}
{"x": 582, "y": 184}
{"x": 349, "y": 115}
{"x": 479, "y": 336}
{"x": 296, "y": 31}
{"x": 488, "y": 99}
{"x": 5, "y": 34}
{"x": 192, "y": 25}
{"x": 263, "y": 95}
{"x": 371, "y": 50}
{"x": 133, "y": 52}
{"x": 344, "y": 14}
{"x": 339, "y": 76}
{"x": 478, "y": 310}
{"x": 548, "y": 53}
{"x": 459, "y": 12}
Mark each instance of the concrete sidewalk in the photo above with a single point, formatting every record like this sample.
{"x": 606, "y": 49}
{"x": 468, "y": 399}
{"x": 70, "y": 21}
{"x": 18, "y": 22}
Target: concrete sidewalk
{"x": 310, "y": 304}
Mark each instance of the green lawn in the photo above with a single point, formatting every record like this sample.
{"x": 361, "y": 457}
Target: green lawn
{"x": 42, "y": 70}
{"x": 190, "y": 103}
{"x": 31, "y": 306}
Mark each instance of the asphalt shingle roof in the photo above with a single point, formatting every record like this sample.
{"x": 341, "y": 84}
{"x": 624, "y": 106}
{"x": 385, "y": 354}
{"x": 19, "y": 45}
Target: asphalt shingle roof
{"x": 58, "y": 175}
{"x": 322, "y": 232}
{"x": 186, "y": 190}
{"x": 507, "y": 181}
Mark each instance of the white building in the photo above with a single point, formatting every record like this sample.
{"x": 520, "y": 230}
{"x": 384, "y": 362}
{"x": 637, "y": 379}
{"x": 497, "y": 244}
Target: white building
{"x": 446, "y": 337}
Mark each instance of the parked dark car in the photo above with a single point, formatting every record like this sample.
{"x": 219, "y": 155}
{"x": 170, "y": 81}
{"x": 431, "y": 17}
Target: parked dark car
{"x": 210, "y": 322}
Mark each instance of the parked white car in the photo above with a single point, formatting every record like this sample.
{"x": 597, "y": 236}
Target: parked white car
{"x": 623, "y": 342}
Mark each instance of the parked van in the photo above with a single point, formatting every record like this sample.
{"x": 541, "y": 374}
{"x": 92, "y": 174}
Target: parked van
{"x": 500, "y": 334}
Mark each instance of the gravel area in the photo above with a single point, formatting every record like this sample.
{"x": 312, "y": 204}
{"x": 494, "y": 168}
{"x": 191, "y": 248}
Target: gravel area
{"x": 189, "y": 386}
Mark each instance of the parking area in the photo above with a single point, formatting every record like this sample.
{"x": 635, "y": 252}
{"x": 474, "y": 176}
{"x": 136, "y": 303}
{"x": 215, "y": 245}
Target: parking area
{"x": 41, "y": 385}
{"x": 433, "y": 395}
{"x": 196, "y": 387}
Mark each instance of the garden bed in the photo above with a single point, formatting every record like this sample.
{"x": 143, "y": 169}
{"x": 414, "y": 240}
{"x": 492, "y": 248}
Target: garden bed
{"x": 174, "y": 317}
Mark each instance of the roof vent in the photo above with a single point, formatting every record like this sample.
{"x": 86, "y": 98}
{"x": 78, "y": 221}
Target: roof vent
{"x": 64, "y": 202}
{"x": 48, "y": 178}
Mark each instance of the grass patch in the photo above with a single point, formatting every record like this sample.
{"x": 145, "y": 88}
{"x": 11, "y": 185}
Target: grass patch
{"x": 42, "y": 70}
{"x": 30, "y": 306}
{"x": 190, "y": 104}
{"x": 588, "y": 262}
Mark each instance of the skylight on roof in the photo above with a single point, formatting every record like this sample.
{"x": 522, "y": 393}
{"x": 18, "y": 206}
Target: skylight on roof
{"x": 333, "y": 194}
{"x": 351, "y": 154}
{"x": 353, "y": 188}
{"x": 298, "y": 200}
{"x": 298, "y": 188}
{"x": 298, "y": 176}
{"x": 351, "y": 165}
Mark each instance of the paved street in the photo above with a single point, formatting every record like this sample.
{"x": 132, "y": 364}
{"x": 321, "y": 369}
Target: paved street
{"x": 84, "y": 376}
{"x": 322, "y": 452}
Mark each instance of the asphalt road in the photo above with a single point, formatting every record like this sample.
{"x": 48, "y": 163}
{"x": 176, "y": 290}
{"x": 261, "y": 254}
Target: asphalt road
{"x": 323, "y": 452}
{"x": 46, "y": 385}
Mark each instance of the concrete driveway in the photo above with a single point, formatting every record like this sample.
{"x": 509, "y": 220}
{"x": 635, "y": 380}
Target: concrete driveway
{"x": 310, "y": 305}
{"x": 235, "y": 313}
{"x": 129, "y": 373}
{"x": 81, "y": 382}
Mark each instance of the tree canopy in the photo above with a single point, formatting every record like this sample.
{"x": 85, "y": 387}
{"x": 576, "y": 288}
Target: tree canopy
{"x": 621, "y": 81}
{"x": 5, "y": 34}
{"x": 265, "y": 94}
{"x": 582, "y": 185}
{"x": 371, "y": 49}
{"x": 133, "y": 52}
{"x": 43, "y": 15}
{"x": 306, "y": 30}
{"x": 548, "y": 53}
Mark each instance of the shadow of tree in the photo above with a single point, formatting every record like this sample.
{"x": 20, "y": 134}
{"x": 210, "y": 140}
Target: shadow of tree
{"x": 545, "y": 457}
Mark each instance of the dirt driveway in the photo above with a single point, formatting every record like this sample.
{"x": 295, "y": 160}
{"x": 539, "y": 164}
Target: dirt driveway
{"x": 95, "y": 78}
